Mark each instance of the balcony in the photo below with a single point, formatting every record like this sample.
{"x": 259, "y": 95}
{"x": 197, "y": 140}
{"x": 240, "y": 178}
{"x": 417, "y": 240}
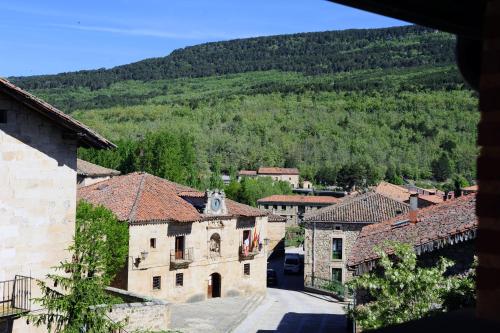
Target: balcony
{"x": 15, "y": 296}
{"x": 248, "y": 254}
{"x": 181, "y": 258}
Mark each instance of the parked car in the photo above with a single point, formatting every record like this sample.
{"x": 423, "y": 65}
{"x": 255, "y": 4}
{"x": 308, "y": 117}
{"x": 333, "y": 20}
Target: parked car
{"x": 292, "y": 263}
{"x": 272, "y": 277}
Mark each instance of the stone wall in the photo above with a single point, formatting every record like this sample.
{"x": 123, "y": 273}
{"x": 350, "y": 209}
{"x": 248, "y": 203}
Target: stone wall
{"x": 275, "y": 233}
{"x": 141, "y": 313}
{"x": 37, "y": 196}
{"x": 196, "y": 275}
{"x": 323, "y": 237}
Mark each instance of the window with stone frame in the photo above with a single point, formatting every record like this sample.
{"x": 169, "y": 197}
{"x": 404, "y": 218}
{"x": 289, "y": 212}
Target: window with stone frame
{"x": 337, "y": 248}
{"x": 152, "y": 243}
{"x": 156, "y": 282}
{"x": 246, "y": 269}
{"x": 337, "y": 274}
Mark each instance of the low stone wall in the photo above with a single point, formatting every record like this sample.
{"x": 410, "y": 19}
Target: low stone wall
{"x": 144, "y": 313}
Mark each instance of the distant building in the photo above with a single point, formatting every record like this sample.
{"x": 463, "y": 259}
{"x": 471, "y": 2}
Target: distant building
{"x": 293, "y": 207}
{"x": 330, "y": 233}
{"x": 444, "y": 230}
{"x": 290, "y": 175}
{"x": 185, "y": 245}
{"x": 226, "y": 179}
{"x": 90, "y": 173}
{"x": 469, "y": 189}
{"x": 307, "y": 185}
{"x": 426, "y": 197}
{"x": 38, "y": 145}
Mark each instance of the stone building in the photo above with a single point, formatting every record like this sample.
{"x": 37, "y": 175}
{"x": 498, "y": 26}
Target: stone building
{"x": 290, "y": 175}
{"x": 184, "y": 245}
{"x": 38, "y": 145}
{"x": 90, "y": 173}
{"x": 444, "y": 230}
{"x": 293, "y": 207}
{"x": 276, "y": 228}
{"x": 330, "y": 233}
{"x": 425, "y": 197}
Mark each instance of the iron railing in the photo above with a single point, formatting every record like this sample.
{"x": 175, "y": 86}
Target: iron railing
{"x": 181, "y": 259}
{"x": 15, "y": 296}
{"x": 247, "y": 254}
{"x": 333, "y": 287}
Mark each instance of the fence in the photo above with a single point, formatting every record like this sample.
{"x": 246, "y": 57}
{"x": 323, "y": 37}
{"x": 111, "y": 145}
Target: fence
{"x": 15, "y": 296}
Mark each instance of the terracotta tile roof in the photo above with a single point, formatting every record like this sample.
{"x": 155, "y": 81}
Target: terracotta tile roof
{"x": 473, "y": 188}
{"x": 393, "y": 191}
{"x": 449, "y": 222}
{"x": 299, "y": 199}
{"x": 432, "y": 198}
{"x": 370, "y": 207}
{"x": 85, "y": 168}
{"x": 247, "y": 173}
{"x": 277, "y": 171}
{"x": 141, "y": 197}
{"x": 86, "y": 136}
{"x": 276, "y": 218}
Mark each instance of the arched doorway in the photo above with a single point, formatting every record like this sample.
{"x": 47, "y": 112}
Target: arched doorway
{"x": 214, "y": 285}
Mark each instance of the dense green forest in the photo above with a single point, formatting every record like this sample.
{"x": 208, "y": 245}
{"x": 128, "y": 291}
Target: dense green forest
{"x": 309, "y": 53}
{"x": 347, "y": 107}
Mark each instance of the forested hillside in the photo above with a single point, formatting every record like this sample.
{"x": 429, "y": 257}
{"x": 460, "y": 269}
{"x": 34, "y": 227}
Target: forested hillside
{"x": 308, "y": 53}
{"x": 345, "y": 107}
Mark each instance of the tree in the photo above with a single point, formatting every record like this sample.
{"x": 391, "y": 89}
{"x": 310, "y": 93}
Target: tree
{"x": 78, "y": 301}
{"x": 401, "y": 291}
{"x": 442, "y": 168}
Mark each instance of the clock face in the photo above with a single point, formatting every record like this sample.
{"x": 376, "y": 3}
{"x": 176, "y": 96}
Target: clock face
{"x": 216, "y": 204}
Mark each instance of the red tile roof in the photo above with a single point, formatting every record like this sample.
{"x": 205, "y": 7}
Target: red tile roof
{"x": 473, "y": 188}
{"x": 299, "y": 199}
{"x": 449, "y": 222}
{"x": 370, "y": 207}
{"x": 393, "y": 191}
{"x": 85, "y": 168}
{"x": 276, "y": 218}
{"x": 277, "y": 171}
{"x": 86, "y": 136}
{"x": 141, "y": 197}
{"x": 432, "y": 198}
{"x": 247, "y": 173}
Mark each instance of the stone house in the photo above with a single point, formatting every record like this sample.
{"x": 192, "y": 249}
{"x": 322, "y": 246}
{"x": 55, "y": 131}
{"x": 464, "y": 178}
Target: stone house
{"x": 184, "y": 245}
{"x": 444, "y": 230}
{"x": 290, "y": 175}
{"x": 276, "y": 228}
{"x": 38, "y": 163}
{"x": 331, "y": 232}
{"x": 400, "y": 193}
{"x": 90, "y": 173}
{"x": 293, "y": 207}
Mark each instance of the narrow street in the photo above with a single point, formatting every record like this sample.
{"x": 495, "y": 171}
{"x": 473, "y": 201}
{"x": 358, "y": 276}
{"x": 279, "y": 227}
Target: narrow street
{"x": 288, "y": 309}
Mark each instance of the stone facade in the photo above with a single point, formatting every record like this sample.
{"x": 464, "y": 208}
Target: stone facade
{"x": 318, "y": 246}
{"x": 139, "y": 312}
{"x": 292, "y": 179}
{"x": 206, "y": 258}
{"x": 37, "y": 197}
{"x": 276, "y": 234}
{"x": 293, "y": 212}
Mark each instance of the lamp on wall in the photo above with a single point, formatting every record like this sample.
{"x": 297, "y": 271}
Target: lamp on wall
{"x": 266, "y": 241}
{"x": 144, "y": 255}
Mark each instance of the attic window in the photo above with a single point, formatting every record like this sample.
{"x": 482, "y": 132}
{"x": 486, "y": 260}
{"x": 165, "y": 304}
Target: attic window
{"x": 3, "y": 116}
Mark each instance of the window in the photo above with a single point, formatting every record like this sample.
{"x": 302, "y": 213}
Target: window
{"x": 156, "y": 282}
{"x": 179, "y": 279}
{"x": 337, "y": 248}
{"x": 266, "y": 206}
{"x": 338, "y": 227}
{"x": 337, "y": 274}
{"x": 3, "y": 116}
{"x": 246, "y": 269}
{"x": 152, "y": 243}
{"x": 283, "y": 207}
{"x": 275, "y": 207}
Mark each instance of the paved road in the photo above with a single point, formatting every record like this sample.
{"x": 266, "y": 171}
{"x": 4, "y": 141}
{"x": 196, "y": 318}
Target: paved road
{"x": 288, "y": 309}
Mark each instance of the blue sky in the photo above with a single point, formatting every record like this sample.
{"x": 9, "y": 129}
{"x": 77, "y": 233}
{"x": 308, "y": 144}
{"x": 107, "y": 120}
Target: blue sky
{"x": 52, "y": 36}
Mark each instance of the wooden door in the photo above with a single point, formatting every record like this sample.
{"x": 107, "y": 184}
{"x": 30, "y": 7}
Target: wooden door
{"x": 209, "y": 290}
{"x": 179, "y": 247}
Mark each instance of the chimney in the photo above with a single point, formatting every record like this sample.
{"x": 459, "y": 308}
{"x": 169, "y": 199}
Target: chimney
{"x": 413, "y": 207}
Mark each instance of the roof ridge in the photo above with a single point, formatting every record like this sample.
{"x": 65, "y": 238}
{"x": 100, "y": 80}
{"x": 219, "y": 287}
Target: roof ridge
{"x": 133, "y": 211}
